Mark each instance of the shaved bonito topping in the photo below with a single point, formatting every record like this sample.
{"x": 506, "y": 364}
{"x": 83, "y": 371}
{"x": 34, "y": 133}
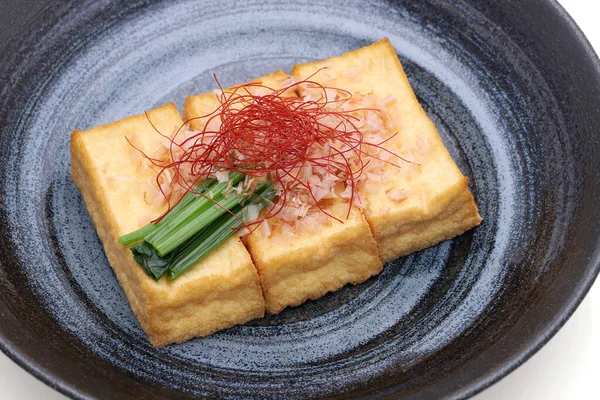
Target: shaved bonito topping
{"x": 397, "y": 195}
{"x": 321, "y": 146}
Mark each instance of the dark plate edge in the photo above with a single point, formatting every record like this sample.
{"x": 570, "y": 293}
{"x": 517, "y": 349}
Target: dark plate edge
{"x": 569, "y": 309}
{"x": 40, "y": 374}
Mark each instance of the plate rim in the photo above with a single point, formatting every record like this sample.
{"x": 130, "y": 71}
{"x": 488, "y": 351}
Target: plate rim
{"x": 569, "y": 308}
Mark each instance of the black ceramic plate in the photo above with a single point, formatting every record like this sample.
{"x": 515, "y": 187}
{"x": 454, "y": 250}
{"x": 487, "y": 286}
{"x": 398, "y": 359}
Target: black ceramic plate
{"x": 514, "y": 89}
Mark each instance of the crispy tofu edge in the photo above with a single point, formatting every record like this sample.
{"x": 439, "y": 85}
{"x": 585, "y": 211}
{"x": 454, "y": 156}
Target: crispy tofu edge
{"x": 458, "y": 216}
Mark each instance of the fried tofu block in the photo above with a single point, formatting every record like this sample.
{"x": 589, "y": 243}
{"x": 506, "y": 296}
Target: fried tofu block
{"x": 438, "y": 204}
{"x": 221, "y": 291}
{"x": 308, "y": 265}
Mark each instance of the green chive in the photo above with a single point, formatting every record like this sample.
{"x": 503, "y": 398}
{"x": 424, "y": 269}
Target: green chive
{"x": 205, "y": 216}
{"x": 208, "y": 239}
{"x": 142, "y": 232}
{"x": 137, "y": 235}
{"x": 205, "y": 242}
{"x": 154, "y": 266}
{"x": 197, "y": 206}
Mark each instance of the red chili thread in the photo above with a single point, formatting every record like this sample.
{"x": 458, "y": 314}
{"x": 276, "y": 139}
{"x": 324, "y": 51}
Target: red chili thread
{"x": 272, "y": 134}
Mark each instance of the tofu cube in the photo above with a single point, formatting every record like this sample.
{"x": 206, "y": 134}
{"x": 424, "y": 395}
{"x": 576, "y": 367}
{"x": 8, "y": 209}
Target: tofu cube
{"x": 438, "y": 204}
{"x": 221, "y": 291}
{"x": 309, "y": 265}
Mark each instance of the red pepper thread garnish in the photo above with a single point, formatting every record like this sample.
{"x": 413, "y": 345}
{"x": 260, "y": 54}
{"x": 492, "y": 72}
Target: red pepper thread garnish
{"x": 273, "y": 134}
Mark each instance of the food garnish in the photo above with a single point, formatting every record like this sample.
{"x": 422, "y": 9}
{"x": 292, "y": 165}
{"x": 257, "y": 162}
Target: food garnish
{"x": 310, "y": 148}
{"x": 195, "y": 228}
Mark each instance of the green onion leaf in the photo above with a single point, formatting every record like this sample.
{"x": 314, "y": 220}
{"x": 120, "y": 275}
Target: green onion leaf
{"x": 154, "y": 265}
{"x": 205, "y": 242}
{"x": 137, "y": 235}
{"x": 208, "y": 239}
{"x": 202, "y": 187}
{"x": 195, "y": 227}
{"x": 197, "y": 206}
{"x": 197, "y": 222}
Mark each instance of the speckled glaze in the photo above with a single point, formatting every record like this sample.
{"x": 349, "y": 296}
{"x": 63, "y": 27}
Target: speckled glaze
{"x": 513, "y": 89}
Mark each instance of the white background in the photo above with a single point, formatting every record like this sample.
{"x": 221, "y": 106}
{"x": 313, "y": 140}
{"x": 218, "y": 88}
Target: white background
{"x": 566, "y": 368}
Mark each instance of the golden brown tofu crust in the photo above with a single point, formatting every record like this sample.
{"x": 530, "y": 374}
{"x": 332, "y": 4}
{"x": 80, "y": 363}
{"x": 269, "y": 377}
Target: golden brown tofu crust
{"x": 294, "y": 270}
